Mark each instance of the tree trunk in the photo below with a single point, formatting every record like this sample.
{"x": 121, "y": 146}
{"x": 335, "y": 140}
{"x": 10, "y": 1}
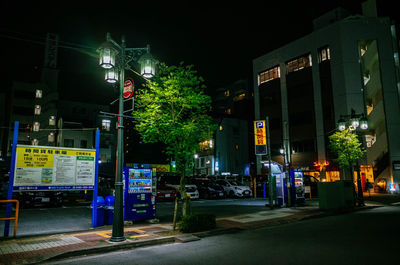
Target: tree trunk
{"x": 175, "y": 212}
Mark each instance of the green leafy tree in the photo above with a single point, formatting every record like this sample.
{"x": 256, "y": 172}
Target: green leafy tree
{"x": 173, "y": 109}
{"x": 347, "y": 147}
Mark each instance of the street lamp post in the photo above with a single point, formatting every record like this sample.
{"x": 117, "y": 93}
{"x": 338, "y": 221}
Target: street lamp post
{"x": 356, "y": 121}
{"x": 108, "y": 60}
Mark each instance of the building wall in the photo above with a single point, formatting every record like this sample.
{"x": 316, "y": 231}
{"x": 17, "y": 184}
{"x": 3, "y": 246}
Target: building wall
{"x": 342, "y": 37}
{"x": 232, "y": 147}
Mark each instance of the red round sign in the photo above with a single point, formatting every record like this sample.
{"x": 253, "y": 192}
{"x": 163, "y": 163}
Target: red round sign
{"x": 129, "y": 87}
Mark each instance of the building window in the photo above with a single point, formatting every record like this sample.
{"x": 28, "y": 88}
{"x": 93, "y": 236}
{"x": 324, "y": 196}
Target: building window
{"x": 83, "y": 143}
{"x": 52, "y": 120}
{"x": 51, "y": 137}
{"x": 299, "y": 63}
{"x": 239, "y": 97}
{"x": 269, "y": 75}
{"x": 35, "y": 142}
{"x": 68, "y": 142}
{"x": 221, "y": 128}
{"x": 105, "y": 125}
{"x": 37, "y": 109}
{"x": 227, "y": 93}
{"x": 236, "y": 146}
{"x": 228, "y": 111}
{"x": 38, "y": 93}
{"x": 324, "y": 54}
{"x": 36, "y": 126}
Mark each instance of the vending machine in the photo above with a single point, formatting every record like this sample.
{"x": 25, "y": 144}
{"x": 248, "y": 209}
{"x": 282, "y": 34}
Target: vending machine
{"x": 139, "y": 200}
{"x": 297, "y": 187}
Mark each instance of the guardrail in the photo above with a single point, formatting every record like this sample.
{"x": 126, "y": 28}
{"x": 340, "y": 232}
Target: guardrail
{"x": 12, "y": 218}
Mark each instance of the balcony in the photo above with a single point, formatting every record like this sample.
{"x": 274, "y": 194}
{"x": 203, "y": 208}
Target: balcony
{"x": 371, "y": 55}
{"x": 373, "y": 86}
{"x": 376, "y": 116}
{"x": 377, "y": 149}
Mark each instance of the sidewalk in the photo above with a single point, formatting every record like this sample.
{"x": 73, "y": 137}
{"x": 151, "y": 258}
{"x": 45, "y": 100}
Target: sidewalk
{"x": 36, "y": 249}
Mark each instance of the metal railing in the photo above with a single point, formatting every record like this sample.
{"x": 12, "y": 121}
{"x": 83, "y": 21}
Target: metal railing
{"x": 12, "y": 218}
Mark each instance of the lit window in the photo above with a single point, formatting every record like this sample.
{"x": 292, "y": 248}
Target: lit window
{"x": 221, "y": 128}
{"x": 50, "y": 138}
{"x": 52, "y": 120}
{"x": 299, "y": 63}
{"x": 324, "y": 54}
{"x": 269, "y": 75}
{"x": 228, "y": 111}
{"x": 35, "y": 142}
{"x": 105, "y": 125}
{"x": 37, "y": 109}
{"x": 36, "y": 126}
{"x": 227, "y": 93}
{"x": 38, "y": 93}
{"x": 236, "y": 146}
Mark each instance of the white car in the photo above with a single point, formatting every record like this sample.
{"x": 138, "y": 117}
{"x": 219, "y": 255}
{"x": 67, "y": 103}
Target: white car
{"x": 235, "y": 189}
{"x": 191, "y": 190}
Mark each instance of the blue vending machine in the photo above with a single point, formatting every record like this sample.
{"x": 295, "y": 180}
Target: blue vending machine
{"x": 139, "y": 200}
{"x": 297, "y": 187}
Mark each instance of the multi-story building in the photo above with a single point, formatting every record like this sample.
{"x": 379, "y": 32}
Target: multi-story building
{"x": 227, "y": 151}
{"x": 349, "y": 63}
{"x": 50, "y": 118}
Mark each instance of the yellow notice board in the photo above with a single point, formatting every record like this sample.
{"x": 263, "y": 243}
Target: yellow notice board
{"x": 260, "y": 135}
{"x": 49, "y": 168}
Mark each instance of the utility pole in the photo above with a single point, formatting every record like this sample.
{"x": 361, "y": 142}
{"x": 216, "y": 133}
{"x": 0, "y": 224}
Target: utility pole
{"x": 270, "y": 188}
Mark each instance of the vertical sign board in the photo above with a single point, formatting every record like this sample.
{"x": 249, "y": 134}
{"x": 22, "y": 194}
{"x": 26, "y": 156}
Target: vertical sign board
{"x": 260, "y": 137}
{"x": 54, "y": 168}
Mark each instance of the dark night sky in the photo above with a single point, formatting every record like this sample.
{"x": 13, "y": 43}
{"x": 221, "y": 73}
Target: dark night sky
{"x": 219, "y": 39}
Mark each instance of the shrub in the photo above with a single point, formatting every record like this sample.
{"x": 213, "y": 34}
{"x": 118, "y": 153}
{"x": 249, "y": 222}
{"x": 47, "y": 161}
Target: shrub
{"x": 197, "y": 222}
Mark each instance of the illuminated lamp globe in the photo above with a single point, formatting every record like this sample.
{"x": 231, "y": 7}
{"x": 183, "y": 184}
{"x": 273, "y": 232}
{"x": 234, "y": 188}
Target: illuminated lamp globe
{"x": 363, "y": 124}
{"x": 341, "y": 125}
{"x": 355, "y": 122}
{"x": 111, "y": 75}
{"x": 147, "y": 65}
{"x": 107, "y": 55}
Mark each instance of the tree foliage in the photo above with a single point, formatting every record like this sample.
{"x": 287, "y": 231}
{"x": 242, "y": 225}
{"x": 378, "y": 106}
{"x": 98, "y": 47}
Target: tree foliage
{"x": 347, "y": 147}
{"x": 173, "y": 109}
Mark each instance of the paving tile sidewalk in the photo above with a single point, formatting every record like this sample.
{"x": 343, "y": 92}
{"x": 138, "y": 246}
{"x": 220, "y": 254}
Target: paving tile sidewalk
{"x": 31, "y": 250}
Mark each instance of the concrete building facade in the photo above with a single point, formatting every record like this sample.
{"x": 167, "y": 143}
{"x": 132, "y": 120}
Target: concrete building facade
{"x": 349, "y": 63}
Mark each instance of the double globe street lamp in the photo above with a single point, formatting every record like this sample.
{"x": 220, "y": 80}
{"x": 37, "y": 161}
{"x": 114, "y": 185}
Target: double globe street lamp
{"x": 355, "y": 121}
{"x": 115, "y": 58}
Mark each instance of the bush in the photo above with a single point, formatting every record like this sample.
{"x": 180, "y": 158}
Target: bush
{"x": 197, "y": 222}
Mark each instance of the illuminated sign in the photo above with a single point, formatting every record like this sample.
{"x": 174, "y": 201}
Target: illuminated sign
{"x": 54, "y": 168}
{"x": 260, "y": 137}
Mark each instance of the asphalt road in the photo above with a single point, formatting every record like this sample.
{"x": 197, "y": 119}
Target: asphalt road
{"x": 35, "y": 221}
{"x": 364, "y": 237}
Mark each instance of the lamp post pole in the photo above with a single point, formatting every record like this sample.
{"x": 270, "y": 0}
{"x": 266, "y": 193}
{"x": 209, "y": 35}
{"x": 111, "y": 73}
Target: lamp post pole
{"x": 118, "y": 219}
{"x": 108, "y": 53}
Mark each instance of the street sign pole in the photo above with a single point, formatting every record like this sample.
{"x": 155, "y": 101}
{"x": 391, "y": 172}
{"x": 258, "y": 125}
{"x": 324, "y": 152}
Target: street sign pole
{"x": 270, "y": 188}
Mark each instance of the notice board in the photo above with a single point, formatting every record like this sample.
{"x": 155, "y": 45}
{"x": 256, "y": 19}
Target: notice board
{"x": 54, "y": 168}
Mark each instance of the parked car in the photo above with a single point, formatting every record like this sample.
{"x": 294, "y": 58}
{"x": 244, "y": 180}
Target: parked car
{"x": 235, "y": 189}
{"x": 174, "y": 182}
{"x": 209, "y": 189}
{"x": 40, "y": 198}
{"x": 311, "y": 181}
{"x": 165, "y": 193}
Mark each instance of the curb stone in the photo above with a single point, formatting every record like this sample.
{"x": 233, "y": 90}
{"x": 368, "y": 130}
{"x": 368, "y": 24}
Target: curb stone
{"x": 106, "y": 249}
